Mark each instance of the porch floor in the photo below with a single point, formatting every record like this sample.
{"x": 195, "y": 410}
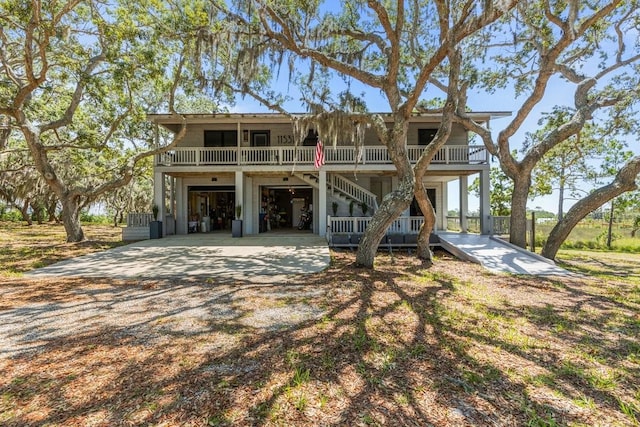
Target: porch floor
{"x": 498, "y": 256}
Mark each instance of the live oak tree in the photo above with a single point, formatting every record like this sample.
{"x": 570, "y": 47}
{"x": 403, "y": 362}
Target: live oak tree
{"x": 567, "y": 167}
{"x": 579, "y": 48}
{"x": 617, "y": 177}
{"x": 75, "y": 80}
{"x": 397, "y": 49}
{"x": 22, "y": 188}
{"x": 136, "y": 196}
{"x": 624, "y": 181}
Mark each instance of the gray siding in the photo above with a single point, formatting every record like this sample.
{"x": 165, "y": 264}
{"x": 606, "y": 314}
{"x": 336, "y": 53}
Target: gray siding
{"x": 281, "y": 134}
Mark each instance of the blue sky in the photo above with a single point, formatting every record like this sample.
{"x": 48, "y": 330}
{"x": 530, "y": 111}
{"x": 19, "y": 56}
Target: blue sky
{"x": 502, "y": 100}
{"x": 558, "y": 92}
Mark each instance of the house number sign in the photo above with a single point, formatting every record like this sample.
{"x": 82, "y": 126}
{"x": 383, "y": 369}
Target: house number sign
{"x": 285, "y": 139}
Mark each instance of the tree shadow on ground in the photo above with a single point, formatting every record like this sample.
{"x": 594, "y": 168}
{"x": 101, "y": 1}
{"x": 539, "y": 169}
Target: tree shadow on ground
{"x": 451, "y": 345}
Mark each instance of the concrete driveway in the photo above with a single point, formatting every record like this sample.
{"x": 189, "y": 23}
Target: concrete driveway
{"x": 201, "y": 255}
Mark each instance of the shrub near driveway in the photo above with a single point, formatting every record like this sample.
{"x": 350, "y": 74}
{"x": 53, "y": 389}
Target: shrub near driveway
{"x": 451, "y": 345}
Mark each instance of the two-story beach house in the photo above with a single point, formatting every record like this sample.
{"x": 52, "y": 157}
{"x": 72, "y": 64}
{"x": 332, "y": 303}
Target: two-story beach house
{"x": 251, "y": 160}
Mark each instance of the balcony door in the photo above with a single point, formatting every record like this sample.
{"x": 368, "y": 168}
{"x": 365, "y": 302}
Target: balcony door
{"x": 425, "y": 136}
{"x": 260, "y": 138}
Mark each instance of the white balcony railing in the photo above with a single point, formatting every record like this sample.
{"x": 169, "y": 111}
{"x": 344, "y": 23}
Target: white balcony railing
{"x": 206, "y": 156}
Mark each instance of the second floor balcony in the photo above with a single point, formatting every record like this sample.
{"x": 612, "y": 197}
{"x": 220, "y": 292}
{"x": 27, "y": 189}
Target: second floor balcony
{"x": 288, "y": 155}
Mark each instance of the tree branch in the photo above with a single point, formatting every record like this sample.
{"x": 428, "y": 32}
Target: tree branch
{"x": 76, "y": 98}
{"x": 285, "y": 38}
{"x": 547, "y": 68}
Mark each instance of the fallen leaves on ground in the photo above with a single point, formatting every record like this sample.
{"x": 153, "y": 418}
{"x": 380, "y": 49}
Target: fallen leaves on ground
{"x": 402, "y": 345}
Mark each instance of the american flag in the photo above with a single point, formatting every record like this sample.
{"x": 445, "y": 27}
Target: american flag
{"x": 319, "y": 157}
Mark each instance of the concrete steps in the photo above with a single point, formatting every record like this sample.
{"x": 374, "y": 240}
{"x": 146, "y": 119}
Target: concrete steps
{"x": 135, "y": 233}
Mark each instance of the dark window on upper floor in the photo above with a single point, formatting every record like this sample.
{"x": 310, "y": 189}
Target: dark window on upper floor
{"x": 425, "y": 136}
{"x": 260, "y": 138}
{"x": 220, "y": 138}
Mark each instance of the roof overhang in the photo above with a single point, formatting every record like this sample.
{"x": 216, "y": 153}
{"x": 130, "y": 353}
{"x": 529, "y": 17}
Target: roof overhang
{"x": 170, "y": 120}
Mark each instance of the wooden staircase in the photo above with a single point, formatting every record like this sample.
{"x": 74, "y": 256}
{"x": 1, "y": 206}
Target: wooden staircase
{"x": 343, "y": 190}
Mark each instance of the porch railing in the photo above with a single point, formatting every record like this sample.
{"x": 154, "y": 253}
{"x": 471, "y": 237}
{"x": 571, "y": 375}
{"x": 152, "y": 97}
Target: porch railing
{"x": 500, "y": 225}
{"x": 358, "y": 225}
{"x": 208, "y": 156}
{"x": 473, "y": 223}
{"x": 139, "y": 219}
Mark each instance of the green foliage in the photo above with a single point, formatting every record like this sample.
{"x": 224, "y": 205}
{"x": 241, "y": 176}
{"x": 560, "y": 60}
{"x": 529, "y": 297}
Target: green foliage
{"x": 9, "y": 214}
{"x": 631, "y": 410}
{"x": 365, "y": 208}
{"x": 601, "y": 239}
{"x": 100, "y": 67}
{"x": 300, "y": 376}
{"x": 90, "y": 218}
{"x": 501, "y": 191}
{"x": 592, "y": 235}
{"x": 569, "y": 164}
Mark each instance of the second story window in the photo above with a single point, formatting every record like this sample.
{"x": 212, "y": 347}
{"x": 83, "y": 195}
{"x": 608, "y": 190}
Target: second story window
{"x": 220, "y": 138}
{"x": 425, "y": 136}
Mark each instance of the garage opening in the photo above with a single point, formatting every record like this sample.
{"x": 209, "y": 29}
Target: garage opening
{"x": 211, "y": 208}
{"x": 283, "y": 208}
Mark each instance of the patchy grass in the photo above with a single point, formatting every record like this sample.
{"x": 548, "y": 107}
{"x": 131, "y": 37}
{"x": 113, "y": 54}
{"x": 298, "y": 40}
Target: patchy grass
{"x": 609, "y": 266}
{"x": 23, "y": 248}
{"x": 404, "y": 345}
{"x": 592, "y": 235}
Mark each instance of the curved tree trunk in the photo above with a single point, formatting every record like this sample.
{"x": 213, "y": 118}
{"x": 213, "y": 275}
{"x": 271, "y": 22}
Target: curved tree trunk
{"x": 51, "y": 215}
{"x": 610, "y": 225}
{"x": 37, "y": 209}
{"x": 561, "y": 198}
{"x": 423, "y": 250}
{"x": 625, "y": 181}
{"x": 51, "y": 206}
{"x": 71, "y": 219}
{"x": 398, "y": 200}
{"x": 391, "y": 208}
{"x": 24, "y": 211}
{"x": 518, "y": 222}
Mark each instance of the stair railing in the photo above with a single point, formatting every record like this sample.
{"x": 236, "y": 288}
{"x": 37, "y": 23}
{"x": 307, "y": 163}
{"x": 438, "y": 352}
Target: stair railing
{"x": 354, "y": 191}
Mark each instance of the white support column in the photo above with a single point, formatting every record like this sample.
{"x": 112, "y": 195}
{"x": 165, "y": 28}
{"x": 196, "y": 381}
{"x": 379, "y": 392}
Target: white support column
{"x": 250, "y": 207}
{"x": 156, "y": 141}
{"x": 485, "y": 204}
{"x": 464, "y": 203}
{"x": 443, "y": 212}
{"x": 158, "y": 184}
{"x": 158, "y": 197}
{"x": 240, "y": 200}
{"x": 172, "y": 193}
{"x": 322, "y": 203}
{"x": 182, "y": 210}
